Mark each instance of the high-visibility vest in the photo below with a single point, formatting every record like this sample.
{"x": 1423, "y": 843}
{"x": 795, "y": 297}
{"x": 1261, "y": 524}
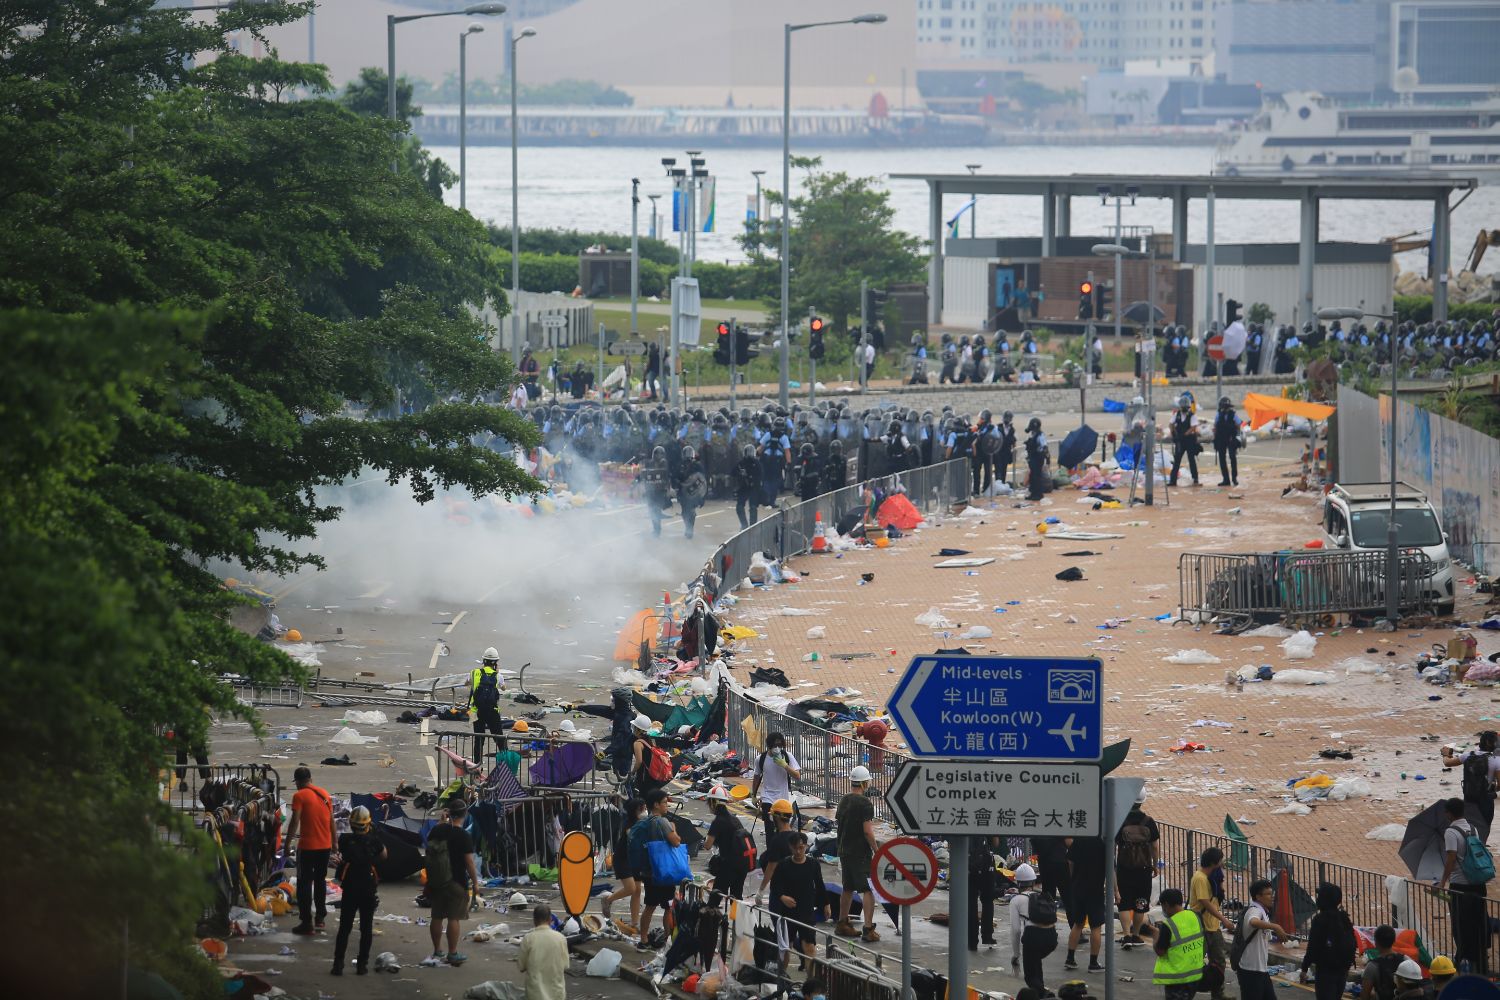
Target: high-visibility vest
{"x": 1183, "y": 962}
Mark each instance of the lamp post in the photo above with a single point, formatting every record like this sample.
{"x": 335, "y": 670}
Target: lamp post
{"x": 515, "y": 208}
{"x": 391, "y": 20}
{"x": 678, "y": 176}
{"x": 786, "y": 207}
{"x": 1148, "y": 351}
{"x": 973, "y": 198}
{"x": 757, "y": 175}
{"x": 1392, "y": 550}
{"x": 463, "y": 113}
{"x": 1106, "y": 193}
{"x": 654, "y": 216}
{"x": 635, "y": 252}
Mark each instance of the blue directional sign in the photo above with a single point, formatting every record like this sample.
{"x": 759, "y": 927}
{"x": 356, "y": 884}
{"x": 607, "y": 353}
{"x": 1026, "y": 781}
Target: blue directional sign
{"x": 1001, "y": 707}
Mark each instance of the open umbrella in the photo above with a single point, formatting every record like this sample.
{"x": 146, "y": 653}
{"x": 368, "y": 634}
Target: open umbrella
{"x": 1141, "y": 313}
{"x": 1077, "y": 446}
{"x": 1422, "y": 846}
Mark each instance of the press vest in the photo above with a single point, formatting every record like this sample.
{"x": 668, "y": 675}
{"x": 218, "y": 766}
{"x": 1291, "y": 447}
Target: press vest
{"x": 1183, "y": 962}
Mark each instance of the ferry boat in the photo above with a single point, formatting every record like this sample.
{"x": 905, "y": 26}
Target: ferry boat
{"x": 1304, "y": 132}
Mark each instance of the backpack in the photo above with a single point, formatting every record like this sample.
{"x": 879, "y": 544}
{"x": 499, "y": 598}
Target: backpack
{"x": 358, "y": 868}
{"x": 1343, "y": 946}
{"x": 1477, "y": 784}
{"x": 487, "y": 694}
{"x": 635, "y": 846}
{"x": 437, "y": 862}
{"x": 1385, "y": 974}
{"x": 658, "y": 764}
{"x": 1135, "y": 846}
{"x": 739, "y": 854}
{"x": 1475, "y": 862}
{"x": 1240, "y": 943}
{"x": 1041, "y": 909}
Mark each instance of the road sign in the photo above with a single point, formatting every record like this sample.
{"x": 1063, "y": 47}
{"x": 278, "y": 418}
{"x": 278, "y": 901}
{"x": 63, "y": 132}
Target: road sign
{"x": 550, "y": 322}
{"x": 628, "y": 347}
{"x": 905, "y": 870}
{"x": 996, "y": 798}
{"x": 1215, "y": 347}
{"x": 1001, "y": 707}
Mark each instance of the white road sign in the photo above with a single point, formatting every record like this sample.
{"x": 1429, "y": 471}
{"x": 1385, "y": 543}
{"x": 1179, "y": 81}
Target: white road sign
{"x": 995, "y": 798}
{"x": 552, "y": 322}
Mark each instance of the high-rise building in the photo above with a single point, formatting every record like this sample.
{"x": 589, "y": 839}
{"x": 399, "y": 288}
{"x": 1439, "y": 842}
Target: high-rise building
{"x": 1106, "y": 33}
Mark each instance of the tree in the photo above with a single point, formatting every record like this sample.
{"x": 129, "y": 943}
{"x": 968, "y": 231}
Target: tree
{"x": 203, "y": 281}
{"x": 844, "y": 233}
{"x": 370, "y": 96}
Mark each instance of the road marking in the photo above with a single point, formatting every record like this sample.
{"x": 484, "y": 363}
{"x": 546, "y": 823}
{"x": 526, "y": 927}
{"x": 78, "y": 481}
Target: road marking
{"x": 437, "y": 650}
{"x": 454, "y": 623}
{"x": 375, "y": 593}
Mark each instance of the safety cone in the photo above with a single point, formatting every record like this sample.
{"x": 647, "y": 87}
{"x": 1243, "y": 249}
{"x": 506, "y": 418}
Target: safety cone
{"x": 820, "y": 537}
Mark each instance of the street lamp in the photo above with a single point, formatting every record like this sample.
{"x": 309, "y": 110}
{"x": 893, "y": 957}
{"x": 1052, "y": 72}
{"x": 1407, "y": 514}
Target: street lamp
{"x": 973, "y": 198}
{"x": 1392, "y": 552}
{"x": 515, "y": 208}
{"x": 1148, "y": 353}
{"x": 463, "y": 113}
{"x": 654, "y": 216}
{"x": 1106, "y": 193}
{"x": 786, "y": 187}
{"x": 391, "y": 20}
{"x": 757, "y": 175}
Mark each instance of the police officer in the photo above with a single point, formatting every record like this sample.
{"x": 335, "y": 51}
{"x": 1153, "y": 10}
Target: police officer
{"x": 747, "y": 487}
{"x": 1184, "y": 440}
{"x": 656, "y": 481}
{"x": 1006, "y": 455}
{"x": 692, "y": 488}
{"x": 958, "y": 441}
{"x": 1227, "y": 443}
{"x": 897, "y": 448}
{"x": 485, "y": 685}
{"x": 1037, "y": 457}
{"x": 835, "y": 468}
{"x": 986, "y": 447}
{"x": 950, "y": 361}
{"x": 808, "y": 473}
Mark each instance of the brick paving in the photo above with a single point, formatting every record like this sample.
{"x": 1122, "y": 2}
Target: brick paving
{"x": 1275, "y": 729}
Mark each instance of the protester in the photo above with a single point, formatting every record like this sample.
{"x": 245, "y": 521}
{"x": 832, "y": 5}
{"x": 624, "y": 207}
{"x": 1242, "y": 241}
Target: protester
{"x": 452, "y": 882}
{"x": 855, "y": 822}
{"x": 543, "y": 958}
{"x": 1033, "y": 929}
{"x": 736, "y": 848}
{"x": 631, "y": 881}
{"x": 656, "y": 826}
{"x": 1179, "y": 949}
{"x": 1086, "y": 861}
{"x": 1442, "y": 970}
{"x": 1466, "y": 891}
{"x": 1052, "y": 866}
{"x": 646, "y": 766}
{"x": 485, "y": 685}
{"x": 1227, "y": 443}
{"x": 1331, "y": 945}
{"x": 311, "y": 829}
{"x": 775, "y": 767}
{"x": 1136, "y": 854}
{"x": 1255, "y": 922}
{"x": 1410, "y": 984}
{"x": 1479, "y": 769}
{"x": 981, "y": 900}
{"x": 653, "y": 370}
{"x": 778, "y": 844}
{"x": 796, "y": 889}
{"x": 1378, "y": 980}
{"x": 361, "y": 851}
{"x": 1205, "y": 899}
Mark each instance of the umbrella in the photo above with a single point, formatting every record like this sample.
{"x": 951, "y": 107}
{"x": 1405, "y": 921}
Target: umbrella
{"x": 1077, "y": 446}
{"x": 403, "y": 847}
{"x": 563, "y": 765}
{"x": 1142, "y": 313}
{"x": 1422, "y": 846}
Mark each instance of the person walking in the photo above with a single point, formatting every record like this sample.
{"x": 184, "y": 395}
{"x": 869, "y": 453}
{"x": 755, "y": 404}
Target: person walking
{"x": 653, "y": 369}
{"x": 1204, "y": 900}
{"x": 747, "y": 487}
{"x": 1466, "y": 890}
{"x": 1331, "y": 945}
{"x": 311, "y": 829}
{"x": 647, "y": 766}
{"x": 631, "y": 881}
{"x": 736, "y": 857}
{"x": 656, "y": 488}
{"x": 854, "y": 821}
{"x": 452, "y": 882}
{"x": 775, "y": 768}
{"x": 1033, "y": 929}
{"x": 361, "y": 851}
{"x": 543, "y": 958}
{"x": 656, "y": 826}
{"x": 796, "y": 895}
{"x": 1227, "y": 443}
{"x": 1037, "y": 457}
{"x": 1136, "y": 852}
{"x": 981, "y": 900}
{"x": 485, "y": 685}
{"x": 1179, "y": 949}
{"x": 778, "y": 844}
{"x": 1185, "y": 443}
{"x": 1086, "y": 860}
{"x": 1255, "y": 922}
{"x": 1479, "y": 769}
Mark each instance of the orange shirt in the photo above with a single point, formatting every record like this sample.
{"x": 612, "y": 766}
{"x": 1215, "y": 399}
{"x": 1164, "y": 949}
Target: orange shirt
{"x": 314, "y": 810}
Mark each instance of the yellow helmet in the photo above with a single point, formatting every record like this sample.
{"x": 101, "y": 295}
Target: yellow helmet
{"x": 520, "y": 726}
{"x": 1442, "y": 966}
{"x": 781, "y": 807}
{"x": 359, "y": 819}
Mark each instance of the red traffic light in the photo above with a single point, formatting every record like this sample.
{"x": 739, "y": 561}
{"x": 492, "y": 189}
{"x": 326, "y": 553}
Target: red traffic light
{"x": 1086, "y": 288}
{"x": 816, "y": 324}
{"x": 723, "y": 329}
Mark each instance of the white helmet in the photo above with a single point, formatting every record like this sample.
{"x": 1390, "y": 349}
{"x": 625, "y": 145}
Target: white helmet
{"x": 566, "y": 726}
{"x": 718, "y": 793}
{"x": 517, "y": 899}
{"x": 641, "y": 722}
{"x": 1025, "y": 874}
{"x": 1409, "y": 970}
{"x": 492, "y": 654}
{"x": 859, "y": 774}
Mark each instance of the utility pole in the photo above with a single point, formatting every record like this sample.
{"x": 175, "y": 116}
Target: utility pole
{"x": 734, "y": 356}
{"x": 864, "y": 334}
{"x": 635, "y": 253}
{"x": 812, "y": 382}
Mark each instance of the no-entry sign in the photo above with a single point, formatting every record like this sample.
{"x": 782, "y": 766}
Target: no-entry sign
{"x": 906, "y": 871}
{"x": 1215, "y": 345}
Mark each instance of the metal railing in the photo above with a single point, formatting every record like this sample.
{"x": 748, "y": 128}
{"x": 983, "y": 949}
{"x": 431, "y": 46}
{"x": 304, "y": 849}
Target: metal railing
{"x": 183, "y": 785}
{"x": 1298, "y": 586}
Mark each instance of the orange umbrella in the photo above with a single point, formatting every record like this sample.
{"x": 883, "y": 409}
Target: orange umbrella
{"x": 642, "y": 627}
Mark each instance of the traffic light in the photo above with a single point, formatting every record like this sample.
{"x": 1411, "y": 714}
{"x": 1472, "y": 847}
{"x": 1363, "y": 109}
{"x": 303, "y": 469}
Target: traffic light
{"x": 722, "y": 345}
{"x": 1231, "y": 311}
{"x": 741, "y": 344}
{"x": 1085, "y": 300}
{"x": 815, "y": 339}
{"x": 1104, "y": 294}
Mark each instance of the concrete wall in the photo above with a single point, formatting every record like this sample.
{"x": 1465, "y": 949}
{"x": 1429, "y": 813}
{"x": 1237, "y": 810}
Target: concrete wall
{"x": 1369, "y": 285}
{"x": 966, "y": 292}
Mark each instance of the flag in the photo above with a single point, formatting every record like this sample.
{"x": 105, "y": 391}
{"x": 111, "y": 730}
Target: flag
{"x": 1239, "y": 849}
{"x": 707, "y": 204}
{"x": 749, "y": 208}
{"x": 953, "y": 222}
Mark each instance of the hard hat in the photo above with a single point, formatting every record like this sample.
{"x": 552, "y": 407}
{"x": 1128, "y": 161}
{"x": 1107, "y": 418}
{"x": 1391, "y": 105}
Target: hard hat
{"x": 566, "y": 726}
{"x": 1409, "y": 970}
{"x": 359, "y": 819}
{"x": 1140, "y": 796}
{"x": 718, "y": 794}
{"x": 492, "y": 654}
{"x": 517, "y": 899}
{"x": 859, "y": 774}
{"x": 641, "y": 722}
{"x": 1442, "y": 966}
{"x": 1025, "y": 873}
{"x": 520, "y": 726}
{"x": 781, "y": 807}
{"x": 292, "y": 635}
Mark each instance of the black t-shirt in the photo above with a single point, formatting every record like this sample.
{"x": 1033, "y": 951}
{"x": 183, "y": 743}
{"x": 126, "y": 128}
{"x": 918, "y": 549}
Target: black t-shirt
{"x": 1137, "y": 818}
{"x": 460, "y": 846}
{"x": 803, "y": 882}
{"x": 722, "y": 830}
{"x": 361, "y": 852}
{"x": 778, "y": 848}
{"x": 1087, "y": 857}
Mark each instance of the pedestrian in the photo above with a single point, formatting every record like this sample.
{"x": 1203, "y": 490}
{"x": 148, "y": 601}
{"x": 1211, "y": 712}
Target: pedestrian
{"x": 1005, "y": 455}
{"x": 1052, "y": 865}
{"x": 1204, "y": 900}
{"x": 1465, "y": 883}
{"x": 747, "y": 487}
{"x": 1227, "y": 443}
{"x": 1331, "y": 945}
{"x": 981, "y": 900}
{"x": 796, "y": 889}
{"x": 778, "y": 844}
{"x": 1479, "y": 769}
{"x": 869, "y": 353}
{"x": 1037, "y": 457}
{"x": 543, "y": 958}
{"x": 631, "y": 881}
{"x": 1033, "y": 929}
{"x": 651, "y": 767}
{"x": 1255, "y": 980}
{"x": 1179, "y": 949}
{"x": 736, "y": 857}
{"x": 653, "y": 369}
{"x": 1409, "y": 982}
{"x": 1185, "y": 443}
{"x": 1086, "y": 901}
{"x": 361, "y": 851}
{"x": 1136, "y": 852}
{"x": 854, "y": 821}
{"x": 485, "y": 685}
{"x": 452, "y": 882}
{"x": 1378, "y": 980}
{"x": 775, "y": 768}
{"x": 655, "y": 826}
{"x": 311, "y": 829}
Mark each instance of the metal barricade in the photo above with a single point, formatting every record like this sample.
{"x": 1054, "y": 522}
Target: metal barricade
{"x": 183, "y": 784}
{"x": 1299, "y": 586}
{"x": 515, "y": 832}
{"x": 532, "y": 746}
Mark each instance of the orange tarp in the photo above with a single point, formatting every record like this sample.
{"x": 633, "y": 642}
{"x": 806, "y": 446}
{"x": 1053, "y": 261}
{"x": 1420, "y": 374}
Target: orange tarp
{"x": 641, "y": 628}
{"x": 1263, "y": 409}
{"x": 898, "y": 510}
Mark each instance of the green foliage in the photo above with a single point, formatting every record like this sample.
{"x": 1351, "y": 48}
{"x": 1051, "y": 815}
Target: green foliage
{"x": 543, "y": 272}
{"x": 560, "y": 93}
{"x": 203, "y": 281}
{"x": 573, "y": 243}
{"x": 1418, "y": 309}
{"x": 1259, "y": 312}
{"x": 369, "y": 97}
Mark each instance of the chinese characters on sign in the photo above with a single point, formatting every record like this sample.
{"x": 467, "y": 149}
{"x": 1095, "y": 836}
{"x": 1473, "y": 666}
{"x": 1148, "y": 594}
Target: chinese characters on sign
{"x": 1001, "y": 798}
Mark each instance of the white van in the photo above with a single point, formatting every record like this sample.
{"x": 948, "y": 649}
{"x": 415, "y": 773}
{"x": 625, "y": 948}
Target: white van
{"x": 1356, "y": 516}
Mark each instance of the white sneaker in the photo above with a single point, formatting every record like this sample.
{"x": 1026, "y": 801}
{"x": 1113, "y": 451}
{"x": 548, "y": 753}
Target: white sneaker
{"x": 435, "y": 959}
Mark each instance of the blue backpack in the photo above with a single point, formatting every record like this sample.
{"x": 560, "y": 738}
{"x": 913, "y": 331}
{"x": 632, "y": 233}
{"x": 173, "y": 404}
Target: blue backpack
{"x": 1475, "y": 862}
